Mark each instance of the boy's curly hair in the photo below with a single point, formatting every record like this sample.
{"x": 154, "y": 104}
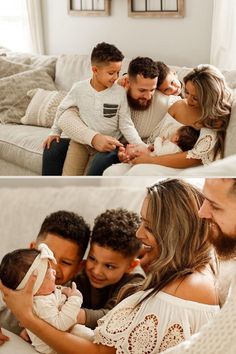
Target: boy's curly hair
{"x": 67, "y": 225}
{"x": 104, "y": 53}
{"x": 143, "y": 66}
{"x": 116, "y": 229}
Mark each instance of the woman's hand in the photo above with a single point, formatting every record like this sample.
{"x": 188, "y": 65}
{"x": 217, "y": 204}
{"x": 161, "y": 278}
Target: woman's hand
{"x": 20, "y": 302}
{"x": 142, "y": 158}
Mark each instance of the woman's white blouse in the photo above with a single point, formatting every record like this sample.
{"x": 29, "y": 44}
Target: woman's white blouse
{"x": 202, "y": 150}
{"x": 159, "y": 323}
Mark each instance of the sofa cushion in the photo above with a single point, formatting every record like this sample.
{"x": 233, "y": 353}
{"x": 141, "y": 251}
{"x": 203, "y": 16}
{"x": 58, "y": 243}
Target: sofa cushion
{"x": 42, "y": 108}
{"x": 71, "y": 68}
{"x": 8, "y": 68}
{"x": 23, "y": 145}
{"x": 13, "y": 93}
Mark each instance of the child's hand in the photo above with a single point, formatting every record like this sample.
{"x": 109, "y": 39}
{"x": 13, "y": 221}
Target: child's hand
{"x": 3, "y": 338}
{"x": 73, "y": 291}
{"x": 50, "y": 138}
{"x": 105, "y": 143}
{"x": 122, "y": 81}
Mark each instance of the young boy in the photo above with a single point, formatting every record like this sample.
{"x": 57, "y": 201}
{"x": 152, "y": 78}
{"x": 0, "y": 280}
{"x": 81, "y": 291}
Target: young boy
{"x": 168, "y": 82}
{"x": 67, "y": 235}
{"x": 101, "y": 105}
{"x": 110, "y": 264}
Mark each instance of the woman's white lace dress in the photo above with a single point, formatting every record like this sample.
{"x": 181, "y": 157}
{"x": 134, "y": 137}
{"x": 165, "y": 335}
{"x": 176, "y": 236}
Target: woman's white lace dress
{"x": 157, "y": 324}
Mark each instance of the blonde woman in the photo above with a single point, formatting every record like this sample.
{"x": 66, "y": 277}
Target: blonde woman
{"x": 207, "y": 107}
{"x": 178, "y": 297}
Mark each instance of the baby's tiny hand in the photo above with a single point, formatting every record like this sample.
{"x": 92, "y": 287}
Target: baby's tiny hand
{"x": 73, "y": 291}
{"x": 151, "y": 147}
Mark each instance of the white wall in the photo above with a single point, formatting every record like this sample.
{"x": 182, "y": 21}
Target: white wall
{"x": 184, "y": 41}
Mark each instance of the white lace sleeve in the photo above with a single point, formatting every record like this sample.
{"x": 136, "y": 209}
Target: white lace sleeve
{"x": 204, "y": 147}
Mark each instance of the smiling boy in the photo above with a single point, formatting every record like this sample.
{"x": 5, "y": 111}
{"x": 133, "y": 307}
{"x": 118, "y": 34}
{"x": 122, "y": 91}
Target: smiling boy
{"x": 101, "y": 105}
{"x": 111, "y": 263}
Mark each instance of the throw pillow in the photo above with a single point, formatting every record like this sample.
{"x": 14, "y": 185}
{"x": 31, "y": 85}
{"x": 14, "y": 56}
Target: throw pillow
{"x": 35, "y": 61}
{"x": 13, "y": 93}
{"x": 8, "y": 68}
{"x": 42, "y": 108}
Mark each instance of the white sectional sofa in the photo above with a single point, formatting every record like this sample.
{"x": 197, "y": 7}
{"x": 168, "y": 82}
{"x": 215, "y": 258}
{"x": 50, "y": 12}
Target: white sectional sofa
{"x": 21, "y": 144}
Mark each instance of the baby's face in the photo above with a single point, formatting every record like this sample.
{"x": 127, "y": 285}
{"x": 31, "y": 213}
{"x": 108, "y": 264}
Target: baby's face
{"x": 48, "y": 285}
{"x": 175, "y": 137}
{"x": 171, "y": 85}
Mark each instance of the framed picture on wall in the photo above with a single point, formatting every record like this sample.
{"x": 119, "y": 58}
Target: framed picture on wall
{"x": 89, "y": 7}
{"x": 156, "y": 8}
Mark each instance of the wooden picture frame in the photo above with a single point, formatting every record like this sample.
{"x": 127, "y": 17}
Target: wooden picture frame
{"x": 148, "y": 11}
{"x": 94, "y": 9}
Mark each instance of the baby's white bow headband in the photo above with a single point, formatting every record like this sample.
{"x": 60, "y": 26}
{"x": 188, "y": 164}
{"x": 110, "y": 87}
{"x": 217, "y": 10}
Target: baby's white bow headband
{"x": 41, "y": 265}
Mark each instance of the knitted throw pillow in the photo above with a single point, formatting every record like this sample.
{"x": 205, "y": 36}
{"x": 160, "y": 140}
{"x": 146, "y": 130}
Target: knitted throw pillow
{"x": 42, "y": 108}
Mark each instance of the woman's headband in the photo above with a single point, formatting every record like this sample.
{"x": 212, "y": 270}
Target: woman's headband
{"x": 41, "y": 265}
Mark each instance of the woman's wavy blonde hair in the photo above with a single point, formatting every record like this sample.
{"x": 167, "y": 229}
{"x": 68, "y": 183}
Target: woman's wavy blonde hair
{"x": 181, "y": 235}
{"x": 215, "y": 100}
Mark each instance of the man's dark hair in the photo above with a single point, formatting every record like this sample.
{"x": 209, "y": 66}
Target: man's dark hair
{"x": 143, "y": 66}
{"x": 116, "y": 229}
{"x": 67, "y": 225}
{"x": 104, "y": 53}
{"x": 187, "y": 137}
{"x": 164, "y": 70}
{"x": 15, "y": 265}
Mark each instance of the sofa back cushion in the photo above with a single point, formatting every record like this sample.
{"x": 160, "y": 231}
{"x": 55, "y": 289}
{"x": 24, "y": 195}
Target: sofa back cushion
{"x": 230, "y": 141}
{"x": 13, "y": 93}
{"x": 29, "y": 206}
{"x": 71, "y": 68}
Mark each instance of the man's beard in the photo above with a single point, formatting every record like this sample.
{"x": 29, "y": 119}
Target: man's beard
{"x": 136, "y": 104}
{"x": 225, "y": 244}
